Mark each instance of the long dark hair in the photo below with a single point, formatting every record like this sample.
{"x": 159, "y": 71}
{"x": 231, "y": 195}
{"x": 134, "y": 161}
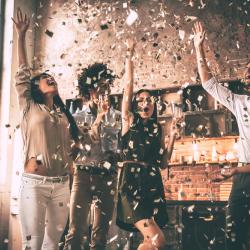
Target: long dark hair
{"x": 38, "y": 97}
{"x": 134, "y": 105}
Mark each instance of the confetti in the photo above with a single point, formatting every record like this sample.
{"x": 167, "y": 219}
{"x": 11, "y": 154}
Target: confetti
{"x": 125, "y": 5}
{"x": 190, "y": 18}
{"x": 131, "y": 17}
{"x": 87, "y": 147}
{"x": 182, "y": 34}
{"x": 107, "y": 165}
{"x": 49, "y": 33}
{"x": 104, "y": 26}
{"x": 39, "y": 159}
{"x": 28, "y": 237}
{"x": 131, "y": 144}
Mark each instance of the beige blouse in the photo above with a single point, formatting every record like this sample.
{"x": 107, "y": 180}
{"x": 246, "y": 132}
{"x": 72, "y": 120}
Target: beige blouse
{"x": 45, "y": 132}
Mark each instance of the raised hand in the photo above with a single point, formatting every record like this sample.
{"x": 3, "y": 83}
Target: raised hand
{"x": 21, "y": 22}
{"x": 130, "y": 43}
{"x": 176, "y": 126}
{"x": 103, "y": 105}
{"x": 223, "y": 174}
{"x": 199, "y": 34}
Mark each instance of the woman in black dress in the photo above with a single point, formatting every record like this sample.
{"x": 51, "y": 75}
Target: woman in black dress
{"x": 141, "y": 201}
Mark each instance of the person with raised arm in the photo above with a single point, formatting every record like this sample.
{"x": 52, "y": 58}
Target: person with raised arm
{"x": 238, "y": 216}
{"x": 141, "y": 201}
{"x": 47, "y": 128}
{"x": 95, "y": 175}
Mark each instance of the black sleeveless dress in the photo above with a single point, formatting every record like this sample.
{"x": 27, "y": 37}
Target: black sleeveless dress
{"x": 140, "y": 187}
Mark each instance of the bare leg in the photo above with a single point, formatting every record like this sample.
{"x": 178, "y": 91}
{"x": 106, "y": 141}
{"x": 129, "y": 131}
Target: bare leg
{"x": 153, "y": 236}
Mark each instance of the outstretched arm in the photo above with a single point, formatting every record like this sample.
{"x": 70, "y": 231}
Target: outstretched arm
{"x": 224, "y": 173}
{"x": 103, "y": 108}
{"x": 22, "y": 24}
{"x": 209, "y": 83}
{"x": 199, "y": 36}
{"x": 128, "y": 89}
{"x": 22, "y": 77}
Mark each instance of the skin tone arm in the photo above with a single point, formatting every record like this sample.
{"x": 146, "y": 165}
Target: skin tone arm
{"x": 170, "y": 142}
{"x": 241, "y": 170}
{"x": 224, "y": 174}
{"x": 199, "y": 36}
{"x": 205, "y": 74}
{"x": 172, "y": 137}
{"x": 128, "y": 90}
{"x": 22, "y": 24}
{"x": 103, "y": 108}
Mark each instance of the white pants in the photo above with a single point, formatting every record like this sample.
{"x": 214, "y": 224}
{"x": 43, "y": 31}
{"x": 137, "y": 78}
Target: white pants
{"x": 43, "y": 211}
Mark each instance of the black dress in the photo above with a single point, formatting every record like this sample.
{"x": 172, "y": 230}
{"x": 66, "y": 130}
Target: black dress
{"x": 140, "y": 187}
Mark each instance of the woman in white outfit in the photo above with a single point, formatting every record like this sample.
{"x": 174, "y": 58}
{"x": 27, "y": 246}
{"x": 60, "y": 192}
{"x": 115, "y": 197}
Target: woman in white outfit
{"x": 47, "y": 129}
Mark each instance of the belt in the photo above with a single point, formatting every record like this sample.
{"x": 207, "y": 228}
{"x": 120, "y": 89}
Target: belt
{"x": 96, "y": 169}
{"x": 52, "y": 179}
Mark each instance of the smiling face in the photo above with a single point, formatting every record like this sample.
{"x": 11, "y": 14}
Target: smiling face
{"x": 48, "y": 85}
{"x": 145, "y": 105}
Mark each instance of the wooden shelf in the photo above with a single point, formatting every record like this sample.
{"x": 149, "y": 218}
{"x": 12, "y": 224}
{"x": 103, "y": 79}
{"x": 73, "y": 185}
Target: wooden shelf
{"x": 190, "y": 138}
{"x": 202, "y": 163}
{"x": 205, "y": 112}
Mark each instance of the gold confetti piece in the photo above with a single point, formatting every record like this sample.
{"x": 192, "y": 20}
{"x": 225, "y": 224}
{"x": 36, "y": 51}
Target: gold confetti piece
{"x": 89, "y": 80}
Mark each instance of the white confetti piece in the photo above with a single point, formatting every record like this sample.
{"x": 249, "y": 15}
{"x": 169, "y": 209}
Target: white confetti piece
{"x": 113, "y": 239}
{"x": 125, "y": 5}
{"x": 131, "y": 17}
{"x": 182, "y": 34}
{"x": 87, "y": 147}
{"x": 89, "y": 80}
{"x": 107, "y": 165}
{"x": 190, "y": 18}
